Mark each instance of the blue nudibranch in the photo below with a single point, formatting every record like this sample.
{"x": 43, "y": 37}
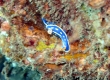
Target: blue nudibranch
{"x": 53, "y": 28}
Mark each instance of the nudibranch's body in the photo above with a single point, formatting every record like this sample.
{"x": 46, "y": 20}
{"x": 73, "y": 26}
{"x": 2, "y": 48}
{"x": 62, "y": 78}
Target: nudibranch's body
{"x": 52, "y": 28}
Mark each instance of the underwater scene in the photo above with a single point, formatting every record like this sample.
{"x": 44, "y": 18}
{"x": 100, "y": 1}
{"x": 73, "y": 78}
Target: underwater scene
{"x": 54, "y": 39}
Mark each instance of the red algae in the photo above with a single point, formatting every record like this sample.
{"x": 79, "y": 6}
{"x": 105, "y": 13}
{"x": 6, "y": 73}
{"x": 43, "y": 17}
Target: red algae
{"x": 1, "y": 2}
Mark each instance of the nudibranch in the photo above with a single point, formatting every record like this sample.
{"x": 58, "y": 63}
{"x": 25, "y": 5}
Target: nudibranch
{"x": 53, "y": 28}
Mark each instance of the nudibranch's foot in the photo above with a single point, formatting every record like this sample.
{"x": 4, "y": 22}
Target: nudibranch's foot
{"x": 49, "y": 31}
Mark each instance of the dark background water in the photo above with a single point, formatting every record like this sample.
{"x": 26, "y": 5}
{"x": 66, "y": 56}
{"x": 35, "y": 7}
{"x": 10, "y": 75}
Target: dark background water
{"x": 7, "y": 72}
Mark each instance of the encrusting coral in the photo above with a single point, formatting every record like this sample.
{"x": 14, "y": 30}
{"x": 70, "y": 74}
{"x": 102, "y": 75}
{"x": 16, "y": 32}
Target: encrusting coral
{"x": 25, "y": 41}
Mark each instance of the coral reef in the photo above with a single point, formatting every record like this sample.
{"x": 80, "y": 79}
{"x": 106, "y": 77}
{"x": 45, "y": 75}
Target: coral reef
{"x": 26, "y": 48}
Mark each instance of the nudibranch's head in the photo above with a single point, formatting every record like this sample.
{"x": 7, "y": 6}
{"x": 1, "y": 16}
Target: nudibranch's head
{"x": 44, "y": 21}
{"x": 47, "y": 23}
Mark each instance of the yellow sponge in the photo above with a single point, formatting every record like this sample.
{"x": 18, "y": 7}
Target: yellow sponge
{"x": 42, "y": 46}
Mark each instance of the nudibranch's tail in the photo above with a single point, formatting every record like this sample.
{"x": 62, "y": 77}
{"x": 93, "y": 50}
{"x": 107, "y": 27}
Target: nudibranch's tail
{"x": 45, "y": 21}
